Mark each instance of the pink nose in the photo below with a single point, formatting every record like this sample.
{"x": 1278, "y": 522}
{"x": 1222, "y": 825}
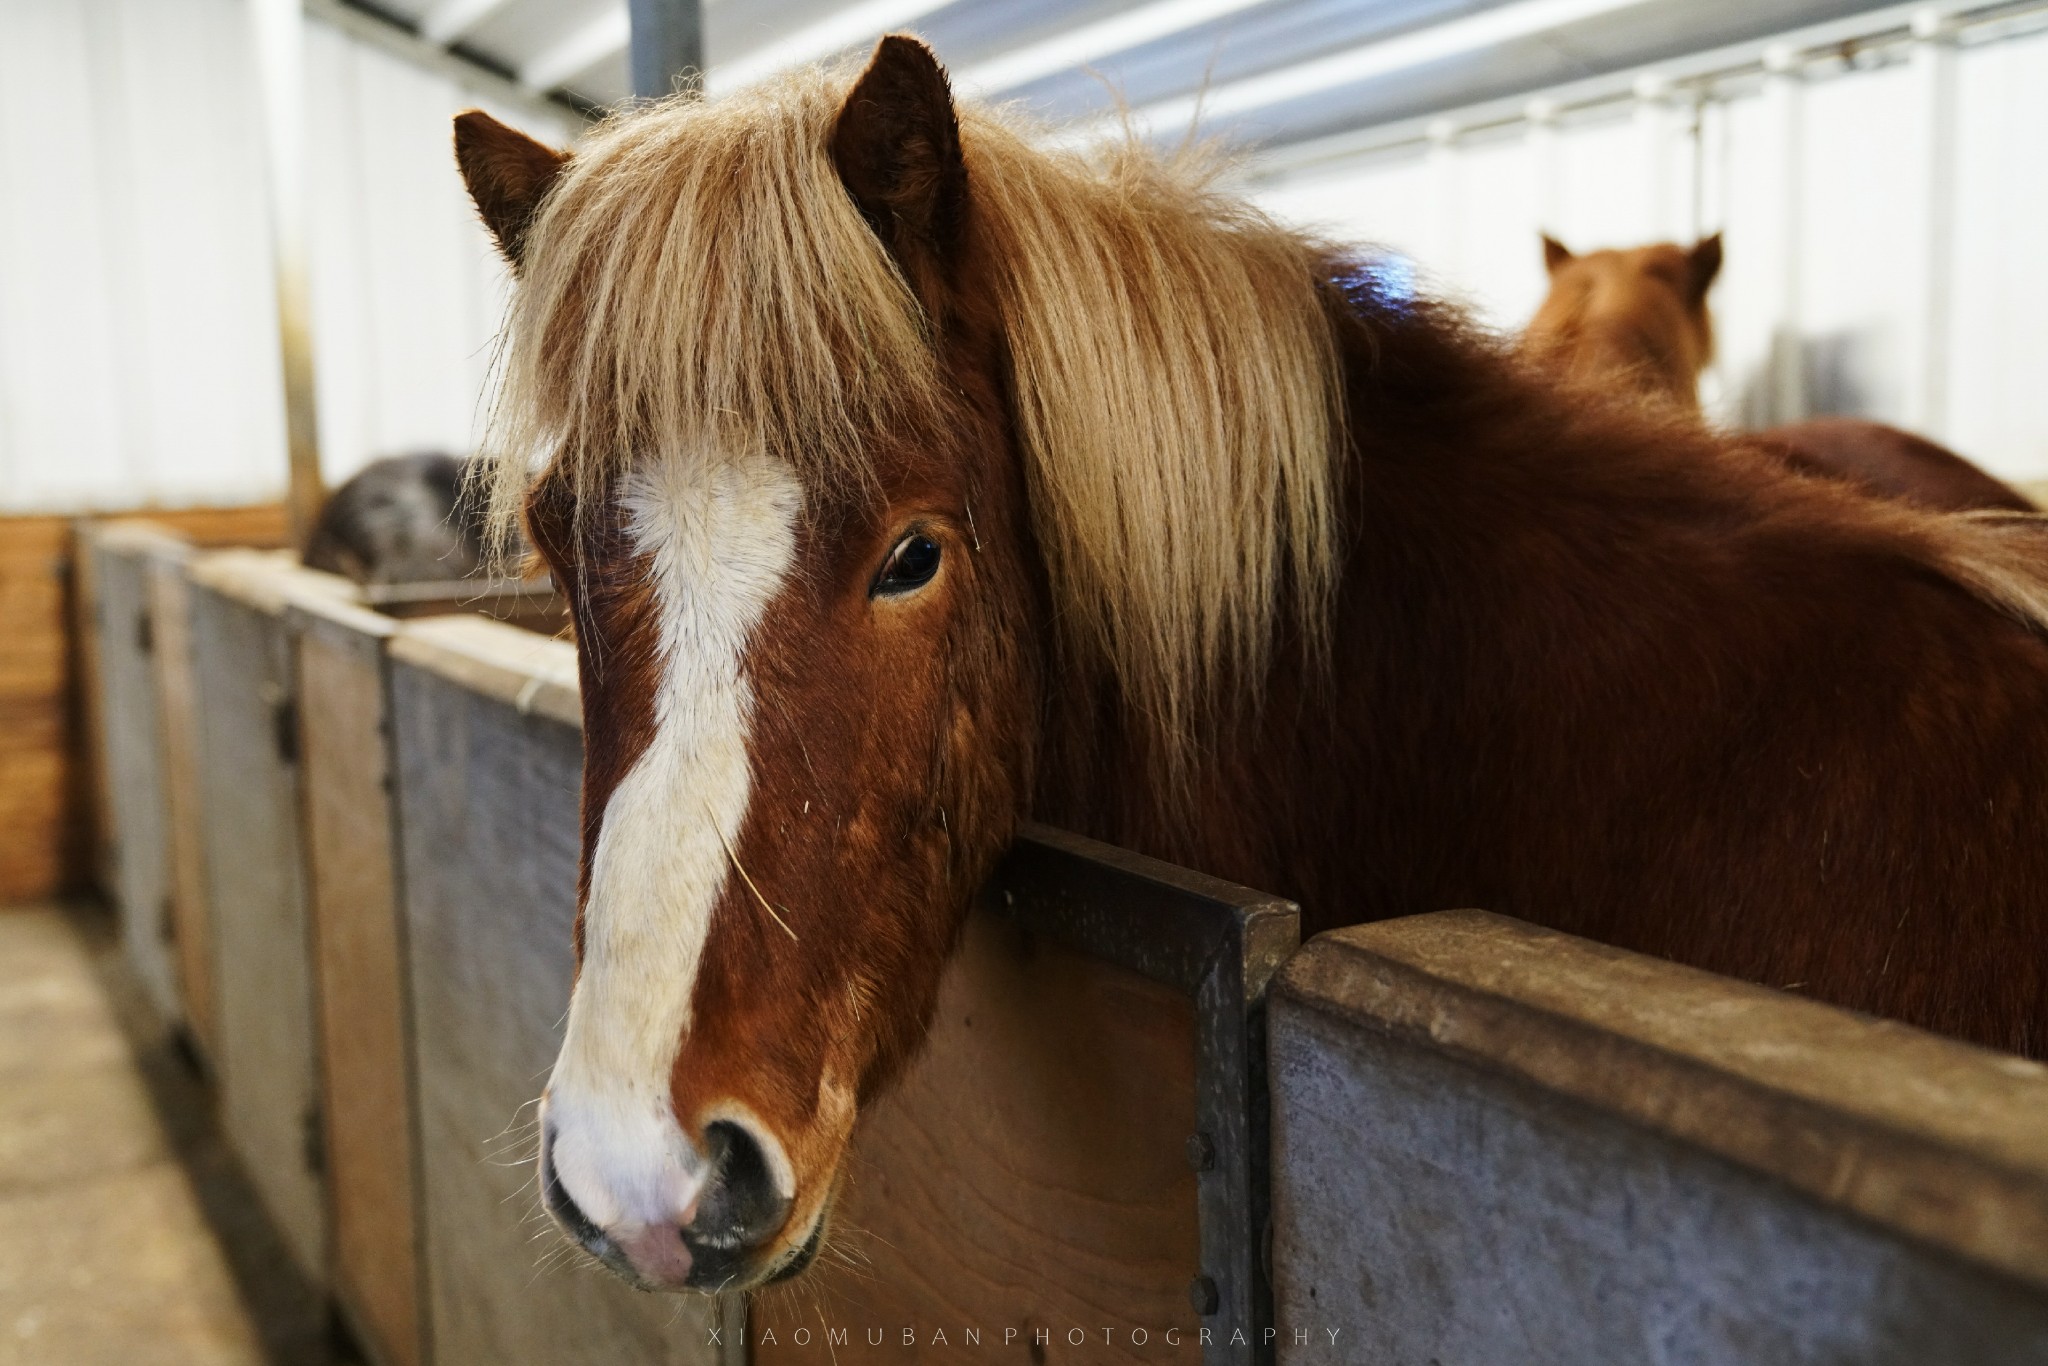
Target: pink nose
{"x": 659, "y": 1255}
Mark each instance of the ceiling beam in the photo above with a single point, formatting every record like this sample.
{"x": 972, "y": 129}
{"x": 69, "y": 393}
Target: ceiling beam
{"x": 849, "y": 27}
{"x": 460, "y": 66}
{"x": 1075, "y": 48}
{"x": 1354, "y": 65}
{"x": 603, "y": 37}
{"x": 448, "y": 20}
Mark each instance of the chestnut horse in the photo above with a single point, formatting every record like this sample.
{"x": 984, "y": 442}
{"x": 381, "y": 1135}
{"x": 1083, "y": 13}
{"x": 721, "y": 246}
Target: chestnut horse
{"x": 909, "y": 481}
{"x": 1638, "y": 317}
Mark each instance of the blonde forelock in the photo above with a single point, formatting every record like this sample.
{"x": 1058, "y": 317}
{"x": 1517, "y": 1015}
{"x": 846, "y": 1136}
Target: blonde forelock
{"x": 700, "y": 285}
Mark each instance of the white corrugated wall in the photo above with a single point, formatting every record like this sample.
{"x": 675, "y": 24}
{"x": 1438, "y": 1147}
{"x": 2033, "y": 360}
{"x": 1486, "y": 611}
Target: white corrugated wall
{"x": 138, "y": 332}
{"x": 138, "y": 359}
{"x": 1819, "y": 180}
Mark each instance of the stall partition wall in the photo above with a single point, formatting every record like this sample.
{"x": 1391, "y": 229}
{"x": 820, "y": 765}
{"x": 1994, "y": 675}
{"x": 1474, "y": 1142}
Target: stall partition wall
{"x": 138, "y": 324}
{"x": 1868, "y": 270}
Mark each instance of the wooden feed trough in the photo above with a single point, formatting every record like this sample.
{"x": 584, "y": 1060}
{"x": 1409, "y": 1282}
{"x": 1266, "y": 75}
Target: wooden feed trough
{"x": 1496, "y": 1143}
{"x": 1077, "y": 1152}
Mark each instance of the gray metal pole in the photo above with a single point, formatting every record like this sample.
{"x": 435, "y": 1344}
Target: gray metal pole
{"x": 668, "y": 45}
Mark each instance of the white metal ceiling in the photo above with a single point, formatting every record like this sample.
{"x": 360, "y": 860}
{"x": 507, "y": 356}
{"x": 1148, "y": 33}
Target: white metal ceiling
{"x": 1269, "y": 71}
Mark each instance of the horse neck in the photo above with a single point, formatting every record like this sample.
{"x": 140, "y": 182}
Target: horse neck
{"x": 1454, "y": 453}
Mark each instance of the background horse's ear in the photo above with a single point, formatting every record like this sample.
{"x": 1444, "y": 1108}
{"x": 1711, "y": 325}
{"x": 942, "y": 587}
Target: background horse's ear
{"x": 1705, "y": 258}
{"x": 1555, "y": 253}
{"x": 508, "y": 173}
{"x": 897, "y": 147}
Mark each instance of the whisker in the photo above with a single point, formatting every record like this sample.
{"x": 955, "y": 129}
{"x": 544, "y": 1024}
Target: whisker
{"x": 749, "y": 881}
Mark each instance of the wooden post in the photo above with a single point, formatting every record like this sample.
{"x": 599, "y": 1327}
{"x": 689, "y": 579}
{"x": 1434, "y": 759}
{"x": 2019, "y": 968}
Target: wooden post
{"x": 667, "y": 45}
{"x": 280, "y": 43}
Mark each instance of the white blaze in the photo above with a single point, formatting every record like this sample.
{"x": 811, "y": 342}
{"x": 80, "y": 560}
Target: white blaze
{"x": 720, "y": 538}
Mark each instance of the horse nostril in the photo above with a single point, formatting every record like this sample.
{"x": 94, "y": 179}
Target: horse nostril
{"x": 740, "y": 1205}
{"x": 564, "y": 1207}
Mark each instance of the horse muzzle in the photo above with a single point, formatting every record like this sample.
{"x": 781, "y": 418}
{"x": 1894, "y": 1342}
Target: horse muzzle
{"x": 713, "y": 1226}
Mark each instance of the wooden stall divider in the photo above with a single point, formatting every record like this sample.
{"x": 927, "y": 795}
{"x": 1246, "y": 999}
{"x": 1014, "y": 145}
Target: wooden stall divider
{"x": 249, "y": 739}
{"x": 1079, "y": 1148}
{"x": 1493, "y": 1142}
{"x": 1092, "y": 1090}
{"x": 362, "y": 1018}
{"x": 140, "y": 864}
{"x": 488, "y": 757}
{"x": 170, "y": 613}
{"x": 58, "y": 790}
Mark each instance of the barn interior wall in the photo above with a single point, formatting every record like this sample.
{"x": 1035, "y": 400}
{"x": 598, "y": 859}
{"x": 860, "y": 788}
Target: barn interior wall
{"x": 1821, "y": 192}
{"x": 138, "y": 327}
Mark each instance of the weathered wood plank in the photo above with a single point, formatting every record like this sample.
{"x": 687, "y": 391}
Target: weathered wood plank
{"x": 1491, "y": 1142}
{"x": 532, "y": 603}
{"x": 489, "y": 761}
{"x": 92, "y": 804}
{"x": 359, "y": 973}
{"x": 256, "y": 880}
{"x": 1026, "y": 1184}
{"x": 53, "y": 816}
{"x": 132, "y": 746}
{"x": 43, "y": 792}
{"x": 170, "y": 613}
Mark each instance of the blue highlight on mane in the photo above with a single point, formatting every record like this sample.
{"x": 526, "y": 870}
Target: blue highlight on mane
{"x": 1387, "y": 283}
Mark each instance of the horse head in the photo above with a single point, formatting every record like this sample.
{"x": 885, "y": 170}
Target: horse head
{"x": 842, "y": 416}
{"x": 1637, "y": 314}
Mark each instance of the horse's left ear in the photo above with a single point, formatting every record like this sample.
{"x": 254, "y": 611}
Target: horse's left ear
{"x": 1705, "y": 260}
{"x": 897, "y": 147}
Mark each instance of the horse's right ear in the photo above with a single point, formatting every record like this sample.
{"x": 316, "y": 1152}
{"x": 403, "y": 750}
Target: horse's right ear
{"x": 897, "y": 147}
{"x": 1555, "y": 254}
{"x": 508, "y": 174}
{"x": 1704, "y": 262}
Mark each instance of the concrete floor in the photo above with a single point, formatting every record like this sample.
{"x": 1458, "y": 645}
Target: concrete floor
{"x": 127, "y": 1235}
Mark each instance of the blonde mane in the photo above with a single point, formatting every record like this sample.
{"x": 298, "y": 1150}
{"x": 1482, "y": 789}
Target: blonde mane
{"x": 699, "y": 285}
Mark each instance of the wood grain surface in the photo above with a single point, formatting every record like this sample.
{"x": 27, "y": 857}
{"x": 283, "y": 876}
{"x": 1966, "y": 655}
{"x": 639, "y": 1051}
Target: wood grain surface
{"x": 49, "y": 826}
{"x": 170, "y": 607}
{"x": 365, "y": 1062}
{"x": 1495, "y": 1142}
{"x": 488, "y": 849}
{"x": 265, "y": 1058}
{"x": 1026, "y": 1184}
{"x": 131, "y": 743}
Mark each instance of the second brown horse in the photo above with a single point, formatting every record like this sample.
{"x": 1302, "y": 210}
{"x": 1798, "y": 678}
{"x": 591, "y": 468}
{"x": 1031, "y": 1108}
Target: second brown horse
{"x": 1638, "y": 317}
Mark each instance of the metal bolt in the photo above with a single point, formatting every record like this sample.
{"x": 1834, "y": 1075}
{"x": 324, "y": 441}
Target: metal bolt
{"x": 1201, "y": 1152}
{"x": 1202, "y": 1295}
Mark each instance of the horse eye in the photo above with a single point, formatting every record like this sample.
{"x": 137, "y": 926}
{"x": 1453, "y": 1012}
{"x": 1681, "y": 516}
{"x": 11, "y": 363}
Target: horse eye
{"x": 910, "y": 565}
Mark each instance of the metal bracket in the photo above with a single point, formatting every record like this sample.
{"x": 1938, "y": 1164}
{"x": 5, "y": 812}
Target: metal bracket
{"x": 1220, "y": 943}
